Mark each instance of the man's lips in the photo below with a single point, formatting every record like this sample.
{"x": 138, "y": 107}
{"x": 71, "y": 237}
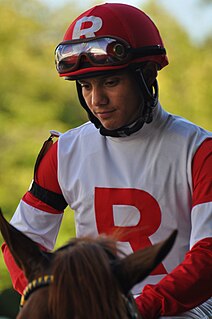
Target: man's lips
{"x": 104, "y": 114}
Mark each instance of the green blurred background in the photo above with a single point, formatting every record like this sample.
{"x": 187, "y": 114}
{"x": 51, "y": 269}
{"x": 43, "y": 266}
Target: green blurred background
{"x": 34, "y": 100}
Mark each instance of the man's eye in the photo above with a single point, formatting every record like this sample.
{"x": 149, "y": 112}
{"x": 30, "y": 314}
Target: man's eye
{"x": 112, "y": 82}
{"x": 84, "y": 85}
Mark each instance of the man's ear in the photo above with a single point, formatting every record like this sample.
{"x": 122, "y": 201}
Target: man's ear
{"x": 150, "y": 72}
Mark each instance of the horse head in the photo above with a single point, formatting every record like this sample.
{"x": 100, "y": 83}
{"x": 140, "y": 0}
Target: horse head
{"x": 85, "y": 278}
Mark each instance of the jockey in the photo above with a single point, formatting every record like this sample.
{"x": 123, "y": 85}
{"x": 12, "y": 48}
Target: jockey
{"x": 133, "y": 168}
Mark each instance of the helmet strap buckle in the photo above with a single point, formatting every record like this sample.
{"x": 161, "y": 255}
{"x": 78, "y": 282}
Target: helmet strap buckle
{"x": 150, "y": 96}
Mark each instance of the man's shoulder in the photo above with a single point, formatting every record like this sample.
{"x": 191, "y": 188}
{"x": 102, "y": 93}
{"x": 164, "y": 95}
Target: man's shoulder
{"x": 183, "y": 128}
{"x": 82, "y": 135}
{"x": 80, "y": 131}
{"x": 180, "y": 134}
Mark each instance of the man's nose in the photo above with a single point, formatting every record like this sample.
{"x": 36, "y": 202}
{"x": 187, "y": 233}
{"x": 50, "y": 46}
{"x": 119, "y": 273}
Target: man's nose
{"x": 99, "y": 97}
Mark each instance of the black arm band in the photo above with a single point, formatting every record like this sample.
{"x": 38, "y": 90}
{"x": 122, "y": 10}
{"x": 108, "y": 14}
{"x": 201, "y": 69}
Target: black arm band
{"x": 56, "y": 201}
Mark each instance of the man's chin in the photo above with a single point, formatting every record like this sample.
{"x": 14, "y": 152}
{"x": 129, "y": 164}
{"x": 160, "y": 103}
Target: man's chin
{"x": 110, "y": 128}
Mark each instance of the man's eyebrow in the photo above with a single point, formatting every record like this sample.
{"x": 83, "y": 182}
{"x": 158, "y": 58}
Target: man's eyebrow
{"x": 81, "y": 81}
{"x": 102, "y": 77}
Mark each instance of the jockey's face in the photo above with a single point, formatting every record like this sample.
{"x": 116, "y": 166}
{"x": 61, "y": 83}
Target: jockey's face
{"x": 114, "y": 99}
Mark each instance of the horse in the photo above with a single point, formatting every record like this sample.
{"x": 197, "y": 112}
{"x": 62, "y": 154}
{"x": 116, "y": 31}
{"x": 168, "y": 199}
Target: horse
{"x": 85, "y": 278}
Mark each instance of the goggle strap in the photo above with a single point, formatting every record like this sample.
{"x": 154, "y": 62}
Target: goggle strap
{"x": 148, "y": 51}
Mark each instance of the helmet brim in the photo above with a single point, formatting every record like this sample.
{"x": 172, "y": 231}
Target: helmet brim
{"x": 91, "y": 71}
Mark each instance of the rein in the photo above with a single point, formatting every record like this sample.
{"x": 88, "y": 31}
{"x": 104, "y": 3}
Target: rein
{"x": 40, "y": 282}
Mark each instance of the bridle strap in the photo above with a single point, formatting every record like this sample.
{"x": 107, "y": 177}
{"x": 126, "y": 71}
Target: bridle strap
{"x": 131, "y": 307}
{"x": 46, "y": 280}
{"x": 40, "y": 282}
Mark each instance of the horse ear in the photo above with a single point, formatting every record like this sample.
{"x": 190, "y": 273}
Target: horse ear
{"x": 25, "y": 252}
{"x": 134, "y": 268}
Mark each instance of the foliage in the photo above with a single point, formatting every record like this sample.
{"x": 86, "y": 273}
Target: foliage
{"x": 34, "y": 99}
{"x": 9, "y": 303}
{"x": 185, "y": 85}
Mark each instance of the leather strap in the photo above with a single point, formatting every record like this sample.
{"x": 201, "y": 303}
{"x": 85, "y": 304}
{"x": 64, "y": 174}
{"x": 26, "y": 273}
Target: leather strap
{"x": 55, "y": 200}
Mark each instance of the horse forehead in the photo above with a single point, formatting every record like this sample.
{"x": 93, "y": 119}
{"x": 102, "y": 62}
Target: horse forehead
{"x": 81, "y": 245}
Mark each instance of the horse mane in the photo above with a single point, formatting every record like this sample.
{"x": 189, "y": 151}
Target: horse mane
{"x": 92, "y": 290}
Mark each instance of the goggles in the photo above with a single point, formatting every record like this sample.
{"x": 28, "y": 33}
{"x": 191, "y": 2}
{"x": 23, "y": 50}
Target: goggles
{"x": 102, "y": 51}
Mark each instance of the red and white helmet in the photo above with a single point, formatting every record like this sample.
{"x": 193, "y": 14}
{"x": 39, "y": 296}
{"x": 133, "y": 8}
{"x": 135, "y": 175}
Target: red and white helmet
{"x": 108, "y": 37}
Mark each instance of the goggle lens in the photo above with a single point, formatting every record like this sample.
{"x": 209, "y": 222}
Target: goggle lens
{"x": 99, "y": 52}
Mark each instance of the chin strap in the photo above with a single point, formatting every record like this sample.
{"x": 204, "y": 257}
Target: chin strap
{"x": 123, "y": 131}
{"x": 150, "y": 96}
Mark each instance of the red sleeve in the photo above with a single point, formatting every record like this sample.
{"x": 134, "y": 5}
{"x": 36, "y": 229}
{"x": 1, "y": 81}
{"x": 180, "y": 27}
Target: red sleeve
{"x": 46, "y": 177}
{"x": 202, "y": 174}
{"x": 184, "y": 288}
{"x": 19, "y": 281}
{"x": 189, "y": 284}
